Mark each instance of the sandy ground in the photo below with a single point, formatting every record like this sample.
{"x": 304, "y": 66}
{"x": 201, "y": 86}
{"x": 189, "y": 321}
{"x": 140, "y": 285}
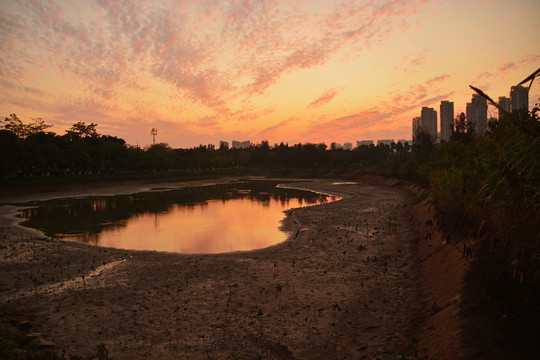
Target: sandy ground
{"x": 347, "y": 284}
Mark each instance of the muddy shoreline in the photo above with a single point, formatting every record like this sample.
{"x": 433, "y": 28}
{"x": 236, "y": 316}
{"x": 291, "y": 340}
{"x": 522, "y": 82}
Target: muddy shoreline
{"x": 346, "y": 284}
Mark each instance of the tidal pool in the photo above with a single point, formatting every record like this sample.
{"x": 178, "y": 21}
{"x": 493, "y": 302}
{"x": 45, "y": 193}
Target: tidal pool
{"x": 210, "y": 219}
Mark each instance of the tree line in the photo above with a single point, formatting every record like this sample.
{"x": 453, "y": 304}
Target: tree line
{"x": 31, "y": 150}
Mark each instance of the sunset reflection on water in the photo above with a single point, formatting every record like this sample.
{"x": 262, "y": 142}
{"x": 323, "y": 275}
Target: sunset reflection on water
{"x": 212, "y": 227}
{"x": 236, "y": 219}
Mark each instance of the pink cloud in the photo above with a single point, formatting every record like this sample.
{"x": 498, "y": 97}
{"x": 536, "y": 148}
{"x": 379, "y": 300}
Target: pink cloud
{"x": 438, "y": 79}
{"x": 246, "y": 113}
{"x": 412, "y": 65}
{"x": 348, "y": 125}
{"x": 272, "y": 131}
{"x": 317, "y": 38}
{"x": 506, "y": 67}
{"x": 512, "y": 66}
{"x": 324, "y": 98}
{"x": 14, "y": 87}
{"x": 269, "y": 39}
{"x": 485, "y": 75}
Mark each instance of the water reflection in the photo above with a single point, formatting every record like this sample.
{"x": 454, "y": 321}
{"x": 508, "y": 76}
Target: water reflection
{"x": 211, "y": 219}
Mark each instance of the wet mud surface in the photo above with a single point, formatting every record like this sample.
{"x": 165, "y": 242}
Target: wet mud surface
{"x": 343, "y": 286}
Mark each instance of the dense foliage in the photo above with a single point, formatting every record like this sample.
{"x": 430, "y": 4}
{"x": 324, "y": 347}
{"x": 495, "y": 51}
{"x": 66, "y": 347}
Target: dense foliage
{"x": 493, "y": 185}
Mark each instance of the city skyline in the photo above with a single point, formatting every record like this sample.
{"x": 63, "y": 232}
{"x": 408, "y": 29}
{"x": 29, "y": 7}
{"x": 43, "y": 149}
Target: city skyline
{"x": 477, "y": 114}
{"x": 204, "y": 71}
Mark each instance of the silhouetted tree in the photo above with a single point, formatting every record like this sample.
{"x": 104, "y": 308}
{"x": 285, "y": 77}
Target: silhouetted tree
{"x": 423, "y": 144}
{"x": 81, "y": 130}
{"x": 161, "y": 155}
{"x": 398, "y": 148}
{"x": 10, "y": 153}
{"x": 15, "y": 125}
{"x": 460, "y": 124}
{"x": 462, "y": 130}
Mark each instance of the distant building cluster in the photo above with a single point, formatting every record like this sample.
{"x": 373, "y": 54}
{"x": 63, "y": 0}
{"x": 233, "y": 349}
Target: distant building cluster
{"x": 337, "y": 146}
{"x": 224, "y": 145}
{"x": 476, "y": 114}
{"x": 387, "y": 142}
{"x": 360, "y": 143}
{"x": 241, "y": 144}
{"x": 364, "y": 143}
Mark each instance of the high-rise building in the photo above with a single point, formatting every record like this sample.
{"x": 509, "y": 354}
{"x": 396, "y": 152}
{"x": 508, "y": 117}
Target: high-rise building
{"x": 347, "y": 146}
{"x": 428, "y": 122}
{"x": 519, "y": 98}
{"x": 477, "y": 114}
{"x": 447, "y": 119}
{"x": 469, "y": 114}
{"x": 415, "y": 126}
{"x": 505, "y": 104}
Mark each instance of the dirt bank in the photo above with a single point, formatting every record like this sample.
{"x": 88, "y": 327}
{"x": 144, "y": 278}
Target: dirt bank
{"x": 346, "y": 284}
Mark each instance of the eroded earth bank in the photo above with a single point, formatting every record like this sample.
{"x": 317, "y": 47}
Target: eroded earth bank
{"x": 344, "y": 285}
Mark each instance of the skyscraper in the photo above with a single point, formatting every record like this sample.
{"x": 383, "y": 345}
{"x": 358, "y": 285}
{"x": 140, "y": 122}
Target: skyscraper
{"x": 447, "y": 119}
{"x": 415, "y": 126}
{"x": 477, "y": 114}
{"x": 428, "y": 122}
{"x": 519, "y": 98}
{"x": 504, "y": 103}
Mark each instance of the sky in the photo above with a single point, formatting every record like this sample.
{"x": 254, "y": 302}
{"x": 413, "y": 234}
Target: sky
{"x": 278, "y": 70}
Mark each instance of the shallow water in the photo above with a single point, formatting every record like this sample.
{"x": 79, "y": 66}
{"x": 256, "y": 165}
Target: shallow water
{"x": 210, "y": 219}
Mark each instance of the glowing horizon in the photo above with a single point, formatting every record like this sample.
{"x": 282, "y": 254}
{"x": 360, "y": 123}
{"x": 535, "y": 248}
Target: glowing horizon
{"x": 307, "y": 71}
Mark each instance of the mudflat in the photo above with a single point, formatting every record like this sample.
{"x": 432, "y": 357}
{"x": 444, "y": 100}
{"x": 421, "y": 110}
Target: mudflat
{"x": 343, "y": 285}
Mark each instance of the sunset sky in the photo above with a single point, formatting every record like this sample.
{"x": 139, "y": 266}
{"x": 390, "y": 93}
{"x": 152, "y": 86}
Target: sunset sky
{"x": 277, "y": 70}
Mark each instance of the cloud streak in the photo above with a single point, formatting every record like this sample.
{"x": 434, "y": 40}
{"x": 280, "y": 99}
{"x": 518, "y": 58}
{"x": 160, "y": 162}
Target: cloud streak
{"x": 324, "y": 98}
{"x": 273, "y": 130}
